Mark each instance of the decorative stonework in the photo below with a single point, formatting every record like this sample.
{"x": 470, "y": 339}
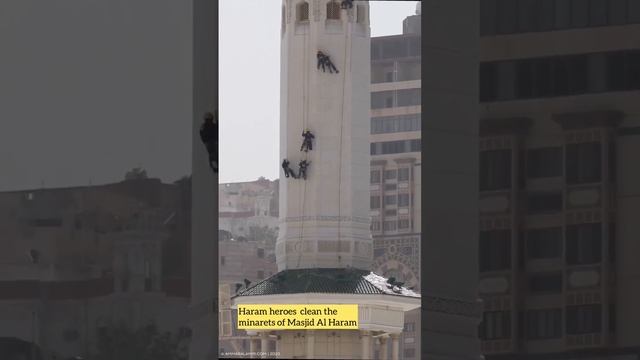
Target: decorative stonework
{"x": 355, "y": 219}
{"x": 452, "y": 306}
{"x": 317, "y": 15}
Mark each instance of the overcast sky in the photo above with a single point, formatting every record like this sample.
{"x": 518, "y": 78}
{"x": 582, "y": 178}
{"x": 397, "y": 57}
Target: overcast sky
{"x": 92, "y": 88}
{"x": 250, "y": 81}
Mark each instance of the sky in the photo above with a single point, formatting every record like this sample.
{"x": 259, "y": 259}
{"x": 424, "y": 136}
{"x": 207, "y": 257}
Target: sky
{"x": 250, "y": 81}
{"x": 90, "y": 89}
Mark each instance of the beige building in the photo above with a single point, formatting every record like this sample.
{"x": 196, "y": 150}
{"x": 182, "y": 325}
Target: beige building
{"x": 559, "y": 179}
{"x": 395, "y": 164}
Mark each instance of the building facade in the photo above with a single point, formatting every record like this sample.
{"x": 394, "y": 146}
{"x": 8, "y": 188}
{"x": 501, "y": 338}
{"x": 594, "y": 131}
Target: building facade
{"x": 395, "y": 164}
{"x": 76, "y": 260}
{"x": 559, "y": 182}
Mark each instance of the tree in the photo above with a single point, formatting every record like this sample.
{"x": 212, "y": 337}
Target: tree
{"x": 120, "y": 342}
{"x": 135, "y": 174}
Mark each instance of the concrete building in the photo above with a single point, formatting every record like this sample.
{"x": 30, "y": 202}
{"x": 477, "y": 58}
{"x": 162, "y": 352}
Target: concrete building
{"x": 74, "y": 260}
{"x": 243, "y": 207}
{"x": 395, "y": 164}
{"x": 324, "y": 248}
{"x": 559, "y": 181}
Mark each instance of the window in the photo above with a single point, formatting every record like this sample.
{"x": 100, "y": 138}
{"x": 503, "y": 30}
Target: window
{"x": 403, "y": 223}
{"x": 333, "y": 10}
{"x": 389, "y": 200}
{"x": 382, "y": 99}
{"x": 488, "y": 81}
{"x": 495, "y": 170}
{"x": 584, "y": 319}
{"x": 389, "y": 174}
{"x": 583, "y": 163}
{"x": 524, "y": 78}
{"x": 583, "y": 244}
{"x": 403, "y": 200}
{"x": 409, "y": 353}
{"x": 544, "y": 324}
{"x": 634, "y": 12}
{"x": 303, "y": 11}
{"x": 409, "y": 327}
{"x": 375, "y": 176}
{"x": 544, "y": 243}
{"x": 597, "y": 12}
{"x": 616, "y": 78}
{"x": 409, "y": 97}
{"x": 378, "y": 252}
{"x": 563, "y": 14}
{"x": 260, "y": 253}
{"x": 389, "y": 225}
{"x": 375, "y": 202}
{"x": 579, "y": 13}
{"x": 390, "y": 187}
{"x": 527, "y": 15}
{"x": 260, "y": 275}
{"x": 395, "y": 147}
{"x": 392, "y": 124}
{"x": 507, "y": 16}
{"x": 495, "y": 325}
{"x": 495, "y": 250}
{"x": 392, "y": 212}
{"x": 544, "y": 203}
{"x": 546, "y": 283}
{"x": 488, "y": 17}
{"x": 617, "y": 12}
{"x": 409, "y": 70}
{"x": 362, "y": 14}
{"x": 546, "y": 14}
{"x": 403, "y": 174}
{"x": 544, "y": 162}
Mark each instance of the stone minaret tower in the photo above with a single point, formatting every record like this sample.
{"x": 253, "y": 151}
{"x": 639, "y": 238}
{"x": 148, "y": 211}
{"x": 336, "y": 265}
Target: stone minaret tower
{"x": 325, "y": 218}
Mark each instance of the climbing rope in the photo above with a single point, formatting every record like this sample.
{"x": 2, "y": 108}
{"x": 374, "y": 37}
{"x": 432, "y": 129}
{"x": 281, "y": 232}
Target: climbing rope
{"x": 305, "y": 117}
{"x": 347, "y": 46}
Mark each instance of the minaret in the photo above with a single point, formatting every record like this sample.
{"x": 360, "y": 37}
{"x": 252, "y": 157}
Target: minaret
{"x": 324, "y": 247}
{"x": 325, "y": 218}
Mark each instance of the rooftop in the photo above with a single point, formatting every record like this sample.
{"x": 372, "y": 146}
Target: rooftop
{"x": 333, "y": 280}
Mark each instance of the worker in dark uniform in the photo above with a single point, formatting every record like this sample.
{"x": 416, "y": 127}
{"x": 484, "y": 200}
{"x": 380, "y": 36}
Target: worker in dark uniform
{"x": 302, "y": 173}
{"x": 209, "y": 137}
{"x": 321, "y": 60}
{"x": 325, "y": 62}
{"x": 347, "y": 4}
{"x": 307, "y": 143}
{"x": 287, "y": 169}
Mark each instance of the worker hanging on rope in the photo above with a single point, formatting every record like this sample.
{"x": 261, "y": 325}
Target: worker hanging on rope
{"x": 325, "y": 62}
{"x": 302, "y": 173}
{"x": 209, "y": 137}
{"x": 307, "y": 143}
{"x": 346, "y": 4}
{"x": 287, "y": 169}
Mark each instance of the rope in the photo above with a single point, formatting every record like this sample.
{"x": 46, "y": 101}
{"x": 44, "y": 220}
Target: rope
{"x": 344, "y": 84}
{"x": 305, "y": 116}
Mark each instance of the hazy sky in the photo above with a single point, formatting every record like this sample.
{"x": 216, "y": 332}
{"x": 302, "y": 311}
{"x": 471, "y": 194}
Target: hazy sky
{"x": 92, "y": 88}
{"x": 250, "y": 81}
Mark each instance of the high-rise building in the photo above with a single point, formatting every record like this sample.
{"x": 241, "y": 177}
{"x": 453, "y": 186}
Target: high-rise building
{"x": 395, "y": 164}
{"x": 559, "y": 181}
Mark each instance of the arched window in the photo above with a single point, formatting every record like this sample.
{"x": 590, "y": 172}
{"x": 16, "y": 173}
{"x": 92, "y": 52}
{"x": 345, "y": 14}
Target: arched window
{"x": 302, "y": 12}
{"x": 333, "y": 10}
{"x": 362, "y": 14}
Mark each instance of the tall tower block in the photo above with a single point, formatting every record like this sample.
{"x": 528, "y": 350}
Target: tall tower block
{"x": 325, "y": 219}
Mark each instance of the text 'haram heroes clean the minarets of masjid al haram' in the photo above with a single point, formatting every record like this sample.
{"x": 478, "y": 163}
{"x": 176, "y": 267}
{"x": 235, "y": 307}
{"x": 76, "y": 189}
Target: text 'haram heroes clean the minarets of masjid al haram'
{"x": 290, "y": 316}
